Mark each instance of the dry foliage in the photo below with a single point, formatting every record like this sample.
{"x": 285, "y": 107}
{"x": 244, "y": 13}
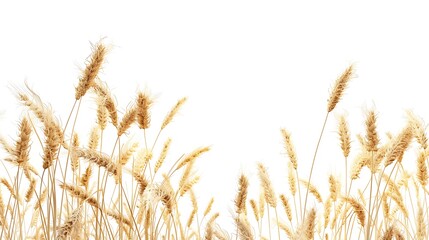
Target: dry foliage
{"x": 73, "y": 190}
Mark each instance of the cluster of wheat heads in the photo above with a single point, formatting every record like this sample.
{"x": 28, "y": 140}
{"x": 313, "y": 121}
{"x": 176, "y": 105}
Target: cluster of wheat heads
{"x": 107, "y": 187}
{"x": 113, "y": 187}
{"x": 382, "y": 195}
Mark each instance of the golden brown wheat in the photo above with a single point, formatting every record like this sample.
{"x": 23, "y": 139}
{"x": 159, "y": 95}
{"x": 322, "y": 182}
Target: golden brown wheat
{"x": 339, "y": 87}
{"x": 240, "y": 199}
{"x": 286, "y": 206}
{"x": 209, "y": 207}
{"x": 306, "y": 230}
{"x": 74, "y": 163}
{"x": 84, "y": 181}
{"x": 94, "y": 138}
{"x": 422, "y": 170}
{"x": 421, "y": 224}
{"x": 243, "y": 226}
{"x": 254, "y": 209}
{"x": 312, "y": 189}
{"x": 193, "y": 155}
{"x": 291, "y": 179}
{"x": 22, "y": 146}
{"x": 102, "y": 160}
{"x": 266, "y": 186}
{"x": 163, "y": 155}
{"x": 290, "y": 149}
{"x": 66, "y": 228}
{"x": 344, "y": 133}
{"x": 327, "y": 211}
{"x": 128, "y": 119}
{"x": 52, "y": 144}
{"x": 334, "y": 187}
{"x": 92, "y": 68}
{"x": 358, "y": 209}
{"x": 105, "y": 97}
{"x": 127, "y": 152}
{"x": 30, "y": 191}
{"x": 399, "y": 145}
{"x": 143, "y": 105}
{"x": 102, "y": 112}
{"x": 372, "y": 139}
{"x": 81, "y": 194}
{"x": 418, "y": 129}
{"x": 173, "y": 112}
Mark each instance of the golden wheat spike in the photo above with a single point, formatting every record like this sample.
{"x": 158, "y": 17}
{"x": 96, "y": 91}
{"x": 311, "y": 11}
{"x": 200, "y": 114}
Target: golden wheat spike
{"x": 339, "y": 87}
{"x": 173, "y": 112}
{"x": 143, "y": 104}
{"x": 91, "y": 70}
{"x": 266, "y": 186}
{"x": 240, "y": 199}
{"x": 344, "y": 133}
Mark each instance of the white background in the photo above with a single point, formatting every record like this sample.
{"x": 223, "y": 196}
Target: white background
{"x": 247, "y": 67}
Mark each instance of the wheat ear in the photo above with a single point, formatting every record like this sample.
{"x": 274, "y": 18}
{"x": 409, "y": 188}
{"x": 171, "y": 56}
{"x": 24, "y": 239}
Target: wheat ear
{"x": 173, "y": 112}
{"x": 91, "y": 70}
{"x": 143, "y": 104}
{"x": 339, "y": 87}
{"x": 240, "y": 199}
